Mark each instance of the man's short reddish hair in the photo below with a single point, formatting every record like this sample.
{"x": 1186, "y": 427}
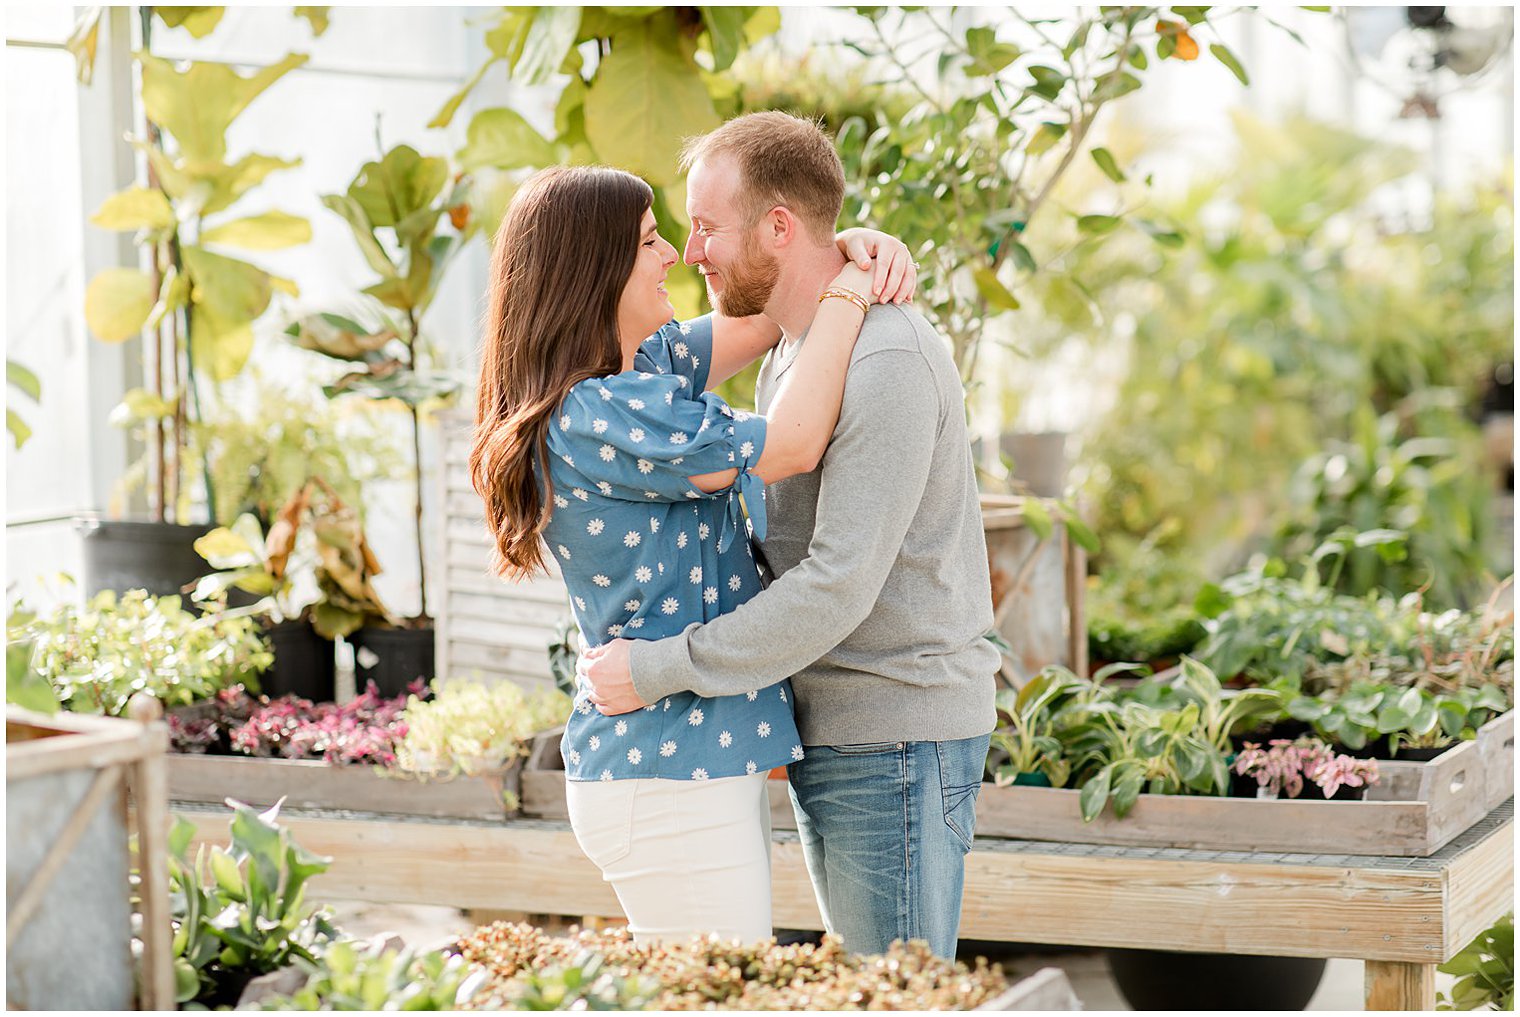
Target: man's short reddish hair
{"x": 783, "y": 160}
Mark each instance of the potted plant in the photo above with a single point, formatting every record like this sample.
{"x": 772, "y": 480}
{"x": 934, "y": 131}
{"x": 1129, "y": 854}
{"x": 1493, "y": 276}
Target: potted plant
{"x": 1026, "y": 732}
{"x": 1281, "y": 769}
{"x": 96, "y": 658}
{"x": 193, "y": 304}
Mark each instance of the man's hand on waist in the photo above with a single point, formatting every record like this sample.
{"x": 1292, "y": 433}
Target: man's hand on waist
{"x": 605, "y": 669}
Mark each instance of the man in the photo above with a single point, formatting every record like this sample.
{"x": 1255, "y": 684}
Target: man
{"x": 880, "y": 593}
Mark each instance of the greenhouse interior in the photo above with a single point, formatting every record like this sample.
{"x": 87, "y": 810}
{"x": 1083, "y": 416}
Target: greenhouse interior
{"x": 1020, "y": 515}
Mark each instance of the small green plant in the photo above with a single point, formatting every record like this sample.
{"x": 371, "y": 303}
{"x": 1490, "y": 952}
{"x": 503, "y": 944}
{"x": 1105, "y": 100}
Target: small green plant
{"x": 1485, "y": 971}
{"x": 1026, "y": 730}
{"x": 473, "y": 727}
{"x": 563, "y": 654}
{"x": 96, "y": 658}
{"x": 348, "y": 977}
{"x": 582, "y": 984}
{"x": 241, "y": 911}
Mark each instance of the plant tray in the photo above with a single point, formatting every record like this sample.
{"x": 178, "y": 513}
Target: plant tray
{"x": 311, "y": 784}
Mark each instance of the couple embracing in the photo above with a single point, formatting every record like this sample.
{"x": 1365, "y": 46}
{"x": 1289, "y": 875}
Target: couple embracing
{"x": 805, "y": 586}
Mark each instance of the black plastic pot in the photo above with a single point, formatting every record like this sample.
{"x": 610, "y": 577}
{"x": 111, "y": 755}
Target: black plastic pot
{"x": 303, "y": 664}
{"x": 1164, "y": 980}
{"x": 392, "y": 658}
{"x": 1408, "y": 755}
{"x": 157, "y": 557}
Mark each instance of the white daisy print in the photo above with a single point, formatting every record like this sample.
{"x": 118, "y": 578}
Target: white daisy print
{"x": 564, "y": 552}
{"x": 695, "y": 575}
{"x": 580, "y": 603}
{"x": 632, "y": 538}
{"x": 704, "y": 426}
{"x": 681, "y": 539}
{"x": 783, "y": 694}
{"x": 595, "y": 742}
{"x": 605, "y": 488}
{"x": 605, "y": 391}
{"x": 635, "y": 623}
{"x": 637, "y": 434}
{"x": 599, "y": 426}
{"x": 763, "y": 729}
{"x": 703, "y": 531}
{"x": 751, "y": 695}
{"x": 621, "y": 728}
{"x": 667, "y": 704}
{"x": 725, "y": 739}
{"x": 710, "y": 595}
{"x": 595, "y": 527}
{"x": 682, "y": 380}
{"x": 671, "y": 605}
{"x": 606, "y": 775}
{"x": 560, "y": 502}
{"x": 749, "y": 767}
{"x": 734, "y": 582}
{"x": 699, "y": 774}
{"x": 667, "y": 749}
{"x": 741, "y": 415}
{"x": 650, "y": 708}
{"x": 607, "y": 452}
{"x": 601, "y": 580}
{"x": 654, "y": 524}
{"x": 670, "y": 397}
{"x": 584, "y": 709}
{"x": 796, "y": 752}
{"x": 645, "y": 466}
{"x": 747, "y": 449}
{"x": 696, "y": 362}
{"x": 681, "y": 350}
{"x": 635, "y": 756}
{"x": 582, "y": 495}
{"x": 678, "y": 460}
{"x": 569, "y": 461}
{"x": 695, "y": 718}
{"x": 651, "y": 495}
{"x": 631, "y": 605}
{"x": 643, "y": 574}
{"x": 661, "y": 566}
{"x": 678, "y": 438}
{"x": 636, "y": 404}
{"x": 614, "y": 630}
{"x": 575, "y": 758}
{"x": 685, "y": 328}
{"x": 564, "y": 422}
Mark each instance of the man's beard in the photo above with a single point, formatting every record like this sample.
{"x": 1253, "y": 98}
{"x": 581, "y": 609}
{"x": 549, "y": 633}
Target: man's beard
{"x": 747, "y": 286}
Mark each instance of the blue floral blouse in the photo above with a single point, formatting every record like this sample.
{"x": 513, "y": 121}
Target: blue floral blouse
{"x": 644, "y": 554}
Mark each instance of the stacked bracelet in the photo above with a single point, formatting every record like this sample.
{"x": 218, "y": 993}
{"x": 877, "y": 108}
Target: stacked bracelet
{"x": 846, "y": 294}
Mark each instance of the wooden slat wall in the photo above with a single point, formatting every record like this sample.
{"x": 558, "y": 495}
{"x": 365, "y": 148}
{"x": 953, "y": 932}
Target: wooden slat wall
{"x": 488, "y": 628}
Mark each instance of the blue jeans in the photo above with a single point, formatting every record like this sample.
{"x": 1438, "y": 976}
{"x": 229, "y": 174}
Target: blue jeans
{"x": 885, "y": 829}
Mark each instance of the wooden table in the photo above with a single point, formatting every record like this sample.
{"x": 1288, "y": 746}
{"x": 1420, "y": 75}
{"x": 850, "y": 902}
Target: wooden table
{"x": 1402, "y": 916}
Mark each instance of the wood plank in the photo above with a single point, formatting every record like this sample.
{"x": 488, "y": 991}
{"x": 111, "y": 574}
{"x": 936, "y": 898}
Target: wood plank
{"x": 1392, "y": 985}
{"x": 1046, "y": 989}
{"x": 519, "y": 610}
{"x": 1496, "y": 743}
{"x": 502, "y": 634}
{"x": 1480, "y": 887}
{"x": 1020, "y": 896}
{"x": 470, "y": 579}
{"x": 526, "y": 668}
{"x": 1222, "y": 824}
{"x": 93, "y": 751}
{"x": 311, "y": 784}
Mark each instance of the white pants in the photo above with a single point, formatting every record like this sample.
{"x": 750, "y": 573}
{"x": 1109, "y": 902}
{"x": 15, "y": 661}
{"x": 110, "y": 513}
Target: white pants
{"x": 685, "y": 857}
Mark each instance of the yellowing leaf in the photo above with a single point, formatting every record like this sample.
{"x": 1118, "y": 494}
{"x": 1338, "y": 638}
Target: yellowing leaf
{"x": 993, "y": 291}
{"x": 271, "y": 231}
{"x": 198, "y": 21}
{"x": 134, "y": 208}
{"x": 501, "y": 138}
{"x": 197, "y": 104}
{"x": 225, "y": 549}
{"x": 645, "y": 99}
{"x": 1187, "y": 48}
{"x": 117, "y": 302}
{"x": 316, "y": 17}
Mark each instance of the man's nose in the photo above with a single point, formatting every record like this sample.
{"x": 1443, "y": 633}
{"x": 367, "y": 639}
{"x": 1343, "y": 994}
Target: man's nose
{"x": 693, "y": 251}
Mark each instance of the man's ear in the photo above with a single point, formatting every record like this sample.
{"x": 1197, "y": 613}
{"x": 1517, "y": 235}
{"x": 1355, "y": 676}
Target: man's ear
{"x": 782, "y": 227}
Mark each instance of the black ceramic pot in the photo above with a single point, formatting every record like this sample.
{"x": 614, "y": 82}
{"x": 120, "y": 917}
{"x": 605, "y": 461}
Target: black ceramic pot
{"x": 303, "y": 664}
{"x": 1164, "y": 980}
{"x": 392, "y": 658}
{"x": 157, "y": 557}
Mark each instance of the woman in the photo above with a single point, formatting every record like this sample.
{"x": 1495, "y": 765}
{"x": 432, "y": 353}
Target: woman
{"x": 597, "y": 444}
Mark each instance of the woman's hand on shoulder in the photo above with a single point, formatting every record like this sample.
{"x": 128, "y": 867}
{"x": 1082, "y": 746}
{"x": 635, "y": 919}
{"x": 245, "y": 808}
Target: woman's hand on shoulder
{"x": 894, "y": 273}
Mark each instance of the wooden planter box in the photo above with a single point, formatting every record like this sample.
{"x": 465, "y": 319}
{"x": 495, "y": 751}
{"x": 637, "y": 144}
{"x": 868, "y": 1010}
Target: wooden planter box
{"x": 311, "y": 784}
{"x": 67, "y": 856}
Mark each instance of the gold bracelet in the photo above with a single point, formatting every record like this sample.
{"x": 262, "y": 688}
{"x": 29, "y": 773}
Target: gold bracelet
{"x": 846, "y": 294}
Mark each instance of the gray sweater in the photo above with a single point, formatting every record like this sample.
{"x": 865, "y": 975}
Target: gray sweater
{"x": 880, "y": 593}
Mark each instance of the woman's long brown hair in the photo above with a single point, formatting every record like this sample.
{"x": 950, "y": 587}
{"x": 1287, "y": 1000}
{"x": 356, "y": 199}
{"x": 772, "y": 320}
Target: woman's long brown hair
{"x": 559, "y": 263}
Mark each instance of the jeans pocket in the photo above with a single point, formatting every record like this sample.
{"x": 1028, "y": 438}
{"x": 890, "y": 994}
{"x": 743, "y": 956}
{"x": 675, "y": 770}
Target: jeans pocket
{"x": 866, "y": 749}
{"x": 601, "y": 817}
{"x": 957, "y": 796}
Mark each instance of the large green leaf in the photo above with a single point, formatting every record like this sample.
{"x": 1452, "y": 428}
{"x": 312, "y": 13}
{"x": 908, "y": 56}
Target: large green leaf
{"x": 364, "y": 235}
{"x": 725, "y": 29}
{"x": 502, "y": 139}
{"x": 645, "y": 99}
{"x": 117, "y": 303}
{"x": 271, "y": 231}
{"x": 549, "y": 38}
{"x": 135, "y": 208}
{"x": 198, "y": 21}
{"x": 339, "y": 337}
{"x": 198, "y": 103}
{"x": 23, "y": 380}
{"x": 316, "y": 17}
{"x": 402, "y": 182}
{"x": 411, "y": 387}
{"x": 227, "y": 295}
{"x": 228, "y": 183}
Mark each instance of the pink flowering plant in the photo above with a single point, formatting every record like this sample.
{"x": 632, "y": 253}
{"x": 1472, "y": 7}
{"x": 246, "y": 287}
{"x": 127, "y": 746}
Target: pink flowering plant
{"x": 1282, "y": 768}
{"x": 364, "y": 730}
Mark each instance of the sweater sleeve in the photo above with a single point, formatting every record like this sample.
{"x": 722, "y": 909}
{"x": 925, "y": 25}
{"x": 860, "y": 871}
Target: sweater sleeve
{"x": 873, "y": 479}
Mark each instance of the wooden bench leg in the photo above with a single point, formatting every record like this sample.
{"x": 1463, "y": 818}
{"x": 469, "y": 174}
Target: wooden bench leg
{"x": 1396, "y": 985}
